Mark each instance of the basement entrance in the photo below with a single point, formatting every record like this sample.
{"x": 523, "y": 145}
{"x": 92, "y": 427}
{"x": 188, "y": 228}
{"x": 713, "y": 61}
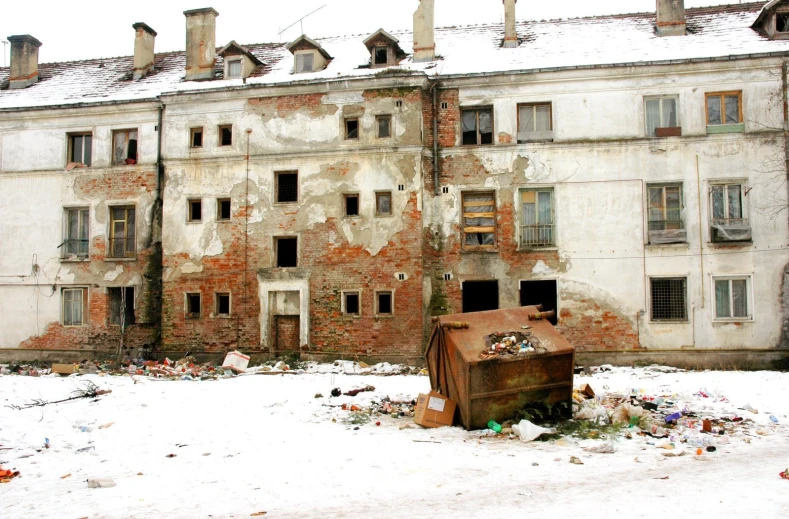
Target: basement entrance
{"x": 479, "y": 296}
{"x": 540, "y": 293}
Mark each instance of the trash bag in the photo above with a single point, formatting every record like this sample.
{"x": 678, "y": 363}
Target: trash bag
{"x": 625, "y": 412}
{"x": 527, "y": 431}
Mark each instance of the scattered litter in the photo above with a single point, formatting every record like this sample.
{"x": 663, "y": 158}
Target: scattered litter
{"x": 576, "y": 461}
{"x": 101, "y": 483}
{"x": 354, "y": 392}
{"x": 258, "y": 514}
{"x": 66, "y": 476}
{"x": 527, "y": 431}
{"x": 171, "y": 455}
{"x": 603, "y": 448}
{"x": 106, "y": 425}
{"x": 784, "y": 474}
{"x": 7, "y": 475}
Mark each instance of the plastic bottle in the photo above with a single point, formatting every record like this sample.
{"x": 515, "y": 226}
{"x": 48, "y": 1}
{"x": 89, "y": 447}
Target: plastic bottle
{"x": 495, "y": 427}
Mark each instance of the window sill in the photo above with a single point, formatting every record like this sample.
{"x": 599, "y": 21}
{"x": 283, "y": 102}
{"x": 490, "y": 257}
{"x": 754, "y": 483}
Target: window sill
{"x": 680, "y": 245}
{"x": 729, "y": 244}
{"x": 477, "y": 251}
{"x": 547, "y": 248}
{"x": 725, "y": 128}
{"x": 221, "y": 316}
{"x": 281, "y": 204}
{"x": 75, "y": 260}
{"x": 667, "y": 321}
{"x": 83, "y": 325}
{"x": 120, "y": 259}
{"x": 384, "y": 215}
{"x": 384, "y": 316}
{"x": 223, "y": 220}
{"x": 733, "y": 321}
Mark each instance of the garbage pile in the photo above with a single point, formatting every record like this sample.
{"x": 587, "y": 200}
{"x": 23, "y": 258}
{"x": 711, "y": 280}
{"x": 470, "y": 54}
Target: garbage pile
{"x": 501, "y": 344}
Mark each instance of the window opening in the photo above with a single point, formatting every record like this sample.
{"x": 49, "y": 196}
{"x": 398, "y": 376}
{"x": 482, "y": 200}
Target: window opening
{"x": 782, "y": 22}
{"x": 384, "y": 302}
{"x": 479, "y": 220}
{"x": 542, "y": 292}
{"x": 479, "y": 296}
{"x": 445, "y": 190}
{"x": 75, "y": 304}
{"x": 381, "y": 55}
{"x": 669, "y": 298}
{"x": 665, "y": 207}
{"x": 196, "y": 138}
{"x": 304, "y": 62}
{"x": 234, "y": 69}
{"x": 351, "y": 205}
{"x": 383, "y": 204}
{"x": 398, "y": 104}
{"x": 384, "y": 126}
{"x": 222, "y": 303}
{"x": 193, "y": 306}
{"x": 226, "y": 135}
{"x": 400, "y": 187}
{"x": 351, "y": 300}
{"x": 534, "y": 117}
{"x": 121, "y": 305}
{"x": 81, "y": 148}
{"x": 537, "y": 213}
{"x": 731, "y": 298}
{"x": 122, "y": 232}
{"x": 287, "y": 251}
{"x": 124, "y": 145}
{"x": 352, "y": 128}
{"x": 724, "y": 108}
{"x": 287, "y": 187}
{"x": 223, "y": 209}
{"x": 477, "y": 126}
{"x": 77, "y": 233}
{"x": 195, "y": 210}
{"x": 660, "y": 112}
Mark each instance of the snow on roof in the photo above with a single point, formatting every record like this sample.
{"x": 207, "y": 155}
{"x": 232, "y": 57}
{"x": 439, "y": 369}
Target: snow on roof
{"x": 713, "y": 32}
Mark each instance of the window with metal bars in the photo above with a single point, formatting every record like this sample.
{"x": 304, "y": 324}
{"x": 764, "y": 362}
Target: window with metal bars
{"x": 669, "y": 299}
{"x": 287, "y": 187}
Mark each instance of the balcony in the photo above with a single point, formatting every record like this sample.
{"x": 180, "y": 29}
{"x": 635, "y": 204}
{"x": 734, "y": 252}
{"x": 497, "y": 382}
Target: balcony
{"x": 536, "y": 236}
{"x": 663, "y": 232}
{"x": 726, "y": 230}
{"x": 121, "y": 248}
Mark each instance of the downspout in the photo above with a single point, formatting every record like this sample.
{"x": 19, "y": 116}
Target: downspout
{"x": 701, "y": 233}
{"x": 435, "y": 138}
{"x": 246, "y": 238}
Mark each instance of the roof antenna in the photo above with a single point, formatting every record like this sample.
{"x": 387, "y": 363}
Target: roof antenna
{"x": 300, "y": 21}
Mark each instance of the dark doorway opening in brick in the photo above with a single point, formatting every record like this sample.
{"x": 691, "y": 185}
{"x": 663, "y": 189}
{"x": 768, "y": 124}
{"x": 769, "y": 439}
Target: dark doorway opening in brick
{"x": 287, "y": 251}
{"x": 121, "y": 305}
{"x": 479, "y": 296}
{"x": 286, "y": 332}
{"x": 543, "y": 293}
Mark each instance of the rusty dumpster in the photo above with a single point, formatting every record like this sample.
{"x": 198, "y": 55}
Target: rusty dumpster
{"x": 488, "y": 386}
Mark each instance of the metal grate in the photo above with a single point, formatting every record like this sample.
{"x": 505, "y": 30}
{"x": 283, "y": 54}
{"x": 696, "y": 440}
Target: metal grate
{"x": 287, "y": 187}
{"x": 669, "y": 297}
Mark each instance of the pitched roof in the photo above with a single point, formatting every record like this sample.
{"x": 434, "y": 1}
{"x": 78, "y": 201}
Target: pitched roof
{"x": 713, "y": 32}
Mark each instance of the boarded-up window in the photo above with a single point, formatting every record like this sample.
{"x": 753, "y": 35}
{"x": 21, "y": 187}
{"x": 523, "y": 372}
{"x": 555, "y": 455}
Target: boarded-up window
{"x": 479, "y": 220}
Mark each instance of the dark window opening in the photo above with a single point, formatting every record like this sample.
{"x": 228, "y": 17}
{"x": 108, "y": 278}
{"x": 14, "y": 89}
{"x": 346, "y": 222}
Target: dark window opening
{"x": 477, "y": 126}
{"x": 223, "y": 209}
{"x": 195, "y": 210}
{"x": 81, "y": 148}
{"x": 287, "y": 187}
{"x": 479, "y": 296}
{"x": 668, "y": 299}
{"x": 381, "y": 56}
{"x": 351, "y": 205}
{"x": 124, "y": 146}
{"x": 223, "y": 304}
{"x": 782, "y": 22}
{"x": 192, "y": 306}
{"x": 287, "y": 252}
{"x": 121, "y": 305}
{"x": 384, "y": 126}
{"x": 385, "y": 303}
{"x": 351, "y": 303}
{"x": 197, "y": 138}
{"x": 543, "y": 293}
{"x": 352, "y": 128}
{"x": 226, "y": 135}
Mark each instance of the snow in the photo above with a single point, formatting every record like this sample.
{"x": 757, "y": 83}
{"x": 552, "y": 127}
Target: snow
{"x": 265, "y": 443}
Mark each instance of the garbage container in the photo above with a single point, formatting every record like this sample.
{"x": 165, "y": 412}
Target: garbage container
{"x": 490, "y": 386}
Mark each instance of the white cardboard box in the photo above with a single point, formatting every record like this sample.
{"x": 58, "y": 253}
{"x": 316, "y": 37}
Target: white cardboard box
{"x": 236, "y": 361}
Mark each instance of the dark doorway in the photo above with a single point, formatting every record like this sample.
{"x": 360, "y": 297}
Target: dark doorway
{"x": 540, "y": 293}
{"x": 479, "y": 296}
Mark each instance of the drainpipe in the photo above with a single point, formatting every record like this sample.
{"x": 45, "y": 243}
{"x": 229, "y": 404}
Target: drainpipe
{"x": 246, "y": 238}
{"x": 701, "y": 233}
{"x": 435, "y": 138}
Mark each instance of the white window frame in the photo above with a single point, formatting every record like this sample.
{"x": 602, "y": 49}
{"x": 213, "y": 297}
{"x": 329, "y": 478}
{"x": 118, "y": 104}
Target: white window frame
{"x": 84, "y": 295}
{"x": 743, "y": 198}
{"x": 521, "y": 216}
{"x": 299, "y": 65}
{"x": 234, "y": 61}
{"x": 748, "y": 278}
{"x": 663, "y": 124}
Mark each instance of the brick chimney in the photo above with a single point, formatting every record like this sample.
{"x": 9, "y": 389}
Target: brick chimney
{"x": 424, "y": 29}
{"x": 510, "y": 32}
{"x": 671, "y": 17}
{"x": 24, "y": 61}
{"x": 200, "y": 43}
{"x": 144, "y": 38}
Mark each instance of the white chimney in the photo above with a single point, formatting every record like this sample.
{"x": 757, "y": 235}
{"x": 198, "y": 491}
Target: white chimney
{"x": 144, "y": 38}
{"x": 671, "y": 17}
{"x": 24, "y": 61}
{"x": 200, "y": 43}
{"x": 424, "y": 28}
{"x": 510, "y": 32}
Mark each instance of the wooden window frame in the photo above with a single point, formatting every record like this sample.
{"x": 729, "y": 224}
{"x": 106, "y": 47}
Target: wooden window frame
{"x": 84, "y": 297}
{"x": 220, "y": 128}
{"x": 192, "y": 132}
{"x": 83, "y": 214}
{"x": 127, "y": 254}
{"x": 485, "y": 230}
{"x": 190, "y": 204}
{"x": 722, "y": 96}
{"x": 136, "y": 157}
{"x": 477, "y": 110}
{"x": 378, "y": 195}
{"x": 378, "y": 119}
{"x": 344, "y": 294}
{"x": 219, "y": 202}
{"x": 391, "y": 312}
{"x": 70, "y": 151}
{"x": 187, "y": 299}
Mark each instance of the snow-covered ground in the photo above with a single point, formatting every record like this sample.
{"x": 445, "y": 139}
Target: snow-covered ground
{"x": 265, "y": 443}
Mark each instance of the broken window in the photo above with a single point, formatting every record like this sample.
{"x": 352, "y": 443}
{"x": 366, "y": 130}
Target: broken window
{"x": 731, "y": 298}
{"x": 534, "y": 122}
{"x": 351, "y": 204}
{"x": 287, "y": 186}
{"x": 124, "y": 147}
{"x": 477, "y": 126}
{"x": 233, "y": 69}
{"x": 77, "y": 233}
{"x": 669, "y": 296}
{"x": 287, "y": 251}
{"x": 196, "y": 137}
{"x": 222, "y": 304}
{"x": 193, "y": 304}
{"x": 661, "y": 113}
{"x": 380, "y": 56}
{"x": 75, "y": 306}
{"x": 383, "y": 301}
{"x": 384, "y": 124}
{"x": 724, "y": 108}
{"x": 122, "y": 232}
{"x": 352, "y": 128}
{"x": 782, "y": 22}
{"x": 479, "y": 220}
{"x": 226, "y": 135}
{"x": 351, "y": 303}
{"x": 728, "y": 221}
{"x": 223, "y": 209}
{"x": 383, "y": 203}
{"x": 195, "y": 210}
{"x": 80, "y": 148}
{"x": 121, "y": 305}
{"x": 304, "y": 62}
{"x": 537, "y": 217}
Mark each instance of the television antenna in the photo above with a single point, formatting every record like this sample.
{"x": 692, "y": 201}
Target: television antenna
{"x": 300, "y": 21}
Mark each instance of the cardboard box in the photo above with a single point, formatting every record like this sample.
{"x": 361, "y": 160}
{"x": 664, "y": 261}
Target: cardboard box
{"x": 434, "y": 410}
{"x": 587, "y": 390}
{"x": 64, "y": 369}
{"x": 236, "y": 361}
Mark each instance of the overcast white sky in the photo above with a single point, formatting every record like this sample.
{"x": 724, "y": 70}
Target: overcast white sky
{"x": 81, "y": 29}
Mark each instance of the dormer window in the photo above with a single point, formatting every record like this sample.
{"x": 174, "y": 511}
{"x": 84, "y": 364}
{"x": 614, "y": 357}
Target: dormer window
{"x": 381, "y": 56}
{"x": 308, "y": 55}
{"x": 304, "y": 62}
{"x": 239, "y": 61}
{"x": 773, "y": 20}
{"x": 782, "y": 22}
{"x": 384, "y": 49}
{"x": 233, "y": 69}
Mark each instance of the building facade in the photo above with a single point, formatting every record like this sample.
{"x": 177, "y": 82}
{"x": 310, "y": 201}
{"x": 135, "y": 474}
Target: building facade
{"x": 327, "y": 197}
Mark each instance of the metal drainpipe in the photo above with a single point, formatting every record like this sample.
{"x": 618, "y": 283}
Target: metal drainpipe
{"x": 435, "y": 138}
